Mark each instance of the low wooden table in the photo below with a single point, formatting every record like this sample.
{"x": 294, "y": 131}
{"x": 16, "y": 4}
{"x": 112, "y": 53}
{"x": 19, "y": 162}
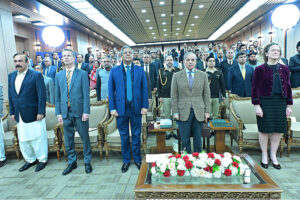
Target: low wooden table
{"x": 260, "y": 187}
{"x": 220, "y": 146}
{"x": 160, "y": 140}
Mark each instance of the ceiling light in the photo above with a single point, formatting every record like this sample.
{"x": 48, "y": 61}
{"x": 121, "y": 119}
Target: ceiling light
{"x": 177, "y": 29}
{"x": 190, "y": 30}
{"x": 163, "y": 14}
{"x": 150, "y": 27}
{"x": 201, "y": 6}
{"x": 285, "y": 16}
{"x": 178, "y": 22}
{"x": 147, "y": 20}
{"x": 187, "y": 35}
{"x": 153, "y": 33}
{"x": 165, "y": 34}
{"x": 143, "y": 10}
{"x": 39, "y": 23}
{"x": 177, "y": 33}
{"x": 196, "y": 17}
{"x": 241, "y": 14}
{"x": 165, "y": 30}
{"x": 162, "y": 3}
{"x": 154, "y": 37}
{"x": 21, "y": 16}
{"x": 182, "y": 1}
{"x": 180, "y": 13}
{"x": 53, "y": 36}
{"x": 192, "y": 24}
{"x": 164, "y": 23}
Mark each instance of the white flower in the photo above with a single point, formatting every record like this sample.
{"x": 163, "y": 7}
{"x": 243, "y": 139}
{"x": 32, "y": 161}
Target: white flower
{"x": 191, "y": 158}
{"x": 172, "y": 166}
{"x": 197, "y": 163}
{"x": 217, "y": 174}
{"x": 187, "y": 173}
{"x": 217, "y": 156}
{"x": 222, "y": 169}
{"x": 237, "y": 158}
{"x": 202, "y": 173}
{"x": 226, "y": 154}
{"x": 234, "y": 170}
{"x": 173, "y": 172}
{"x": 173, "y": 159}
{"x": 208, "y": 175}
{"x": 210, "y": 162}
{"x": 181, "y": 167}
{"x": 153, "y": 171}
{"x": 195, "y": 172}
{"x": 203, "y": 156}
{"x": 180, "y": 161}
{"x": 226, "y": 161}
{"x": 203, "y": 163}
{"x": 163, "y": 167}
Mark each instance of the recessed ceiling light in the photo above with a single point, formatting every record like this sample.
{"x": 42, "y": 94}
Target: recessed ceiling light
{"x": 147, "y": 20}
{"x": 144, "y": 10}
{"x": 196, "y": 17}
{"x": 178, "y": 22}
{"x": 177, "y": 29}
{"x": 162, "y": 3}
{"x": 180, "y": 13}
{"x": 150, "y": 27}
{"x": 192, "y": 24}
{"x": 165, "y": 34}
{"x": 187, "y": 35}
{"x": 164, "y": 23}
{"x": 165, "y": 30}
{"x": 182, "y": 1}
{"x": 163, "y": 14}
{"x": 177, "y": 33}
{"x": 190, "y": 30}
{"x": 153, "y": 33}
{"x": 201, "y": 6}
{"x": 21, "y": 16}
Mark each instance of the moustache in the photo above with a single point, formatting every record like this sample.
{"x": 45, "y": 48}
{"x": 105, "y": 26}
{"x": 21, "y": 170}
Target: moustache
{"x": 18, "y": 66}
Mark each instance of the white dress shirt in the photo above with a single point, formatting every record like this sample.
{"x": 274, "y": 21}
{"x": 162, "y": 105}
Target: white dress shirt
{"x": 19, "y": 80}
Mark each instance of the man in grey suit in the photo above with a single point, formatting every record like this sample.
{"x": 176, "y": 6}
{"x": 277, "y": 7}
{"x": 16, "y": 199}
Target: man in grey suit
{"x": 72, "y": 107}
{"x": 2, "y": 149}
{"x": 50, "y": 90}
{"x": 190, "y": 95}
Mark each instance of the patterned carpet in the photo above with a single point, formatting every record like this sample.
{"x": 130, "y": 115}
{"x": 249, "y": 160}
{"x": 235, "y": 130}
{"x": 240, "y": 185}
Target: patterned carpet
{"x": 107, "y": 181}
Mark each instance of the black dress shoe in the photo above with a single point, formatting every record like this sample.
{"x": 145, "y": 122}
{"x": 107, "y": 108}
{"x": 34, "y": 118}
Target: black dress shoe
{"x": 138, "y": 165}
{"x": 70, "y": 168}
{"x": 2, "y": 163}
{"x": 27, "y": 166}
{"x": 40, "y": 166}
{"x": 168, "y": 136}
{"x": 88, "y": 168}
{"x": 125, "y": 167}
{"x": 175, "y": 136}
{"x": 264, "y": 165}
{"x": 274, "y": 165}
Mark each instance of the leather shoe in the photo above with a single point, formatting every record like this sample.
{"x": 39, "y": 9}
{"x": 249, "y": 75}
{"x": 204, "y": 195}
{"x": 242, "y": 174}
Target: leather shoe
{"x": 125, "y": 167}
{"x": 40, "y": 166}
{"x": 275, "y": 166}
{"x": 264, "y": 165}
{"x": 69, "y": 168}
{"x": 88, "y": 168}
{"x": 2, "y": 163}
{"x": 168, "y": 136}
{"x": 27, "y": 166}
{"x": 175, "y": 136}
{"x": 138, "y": 165}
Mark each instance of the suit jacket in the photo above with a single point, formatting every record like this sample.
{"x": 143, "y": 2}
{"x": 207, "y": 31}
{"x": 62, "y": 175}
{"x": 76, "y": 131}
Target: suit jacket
{"x": 31, "y": 99}
{"x": 236, "y": 84}
{"x": 86, "y": 57}
{"x": 295, "y": 70}
{"x": 50, "y": 90}
{"x": 51, "y": 72}
{"x": 224, "y": 66}
{"x": 262, "y": 83}
{"x": 200, "y": 65}
{"x": 181, "y": 55}
{"x": 153, "y": 73}
{"x": 84, "y": 67}
{"x": 285, "y": 61}
{"x": 1, "y": 100}
{"x": 79, "y": 93}
{"x": 218, "y": 63}
{"x": 182, "y": 97}
{"x": 58, "y": 66}
{"x": 116, "y": 90}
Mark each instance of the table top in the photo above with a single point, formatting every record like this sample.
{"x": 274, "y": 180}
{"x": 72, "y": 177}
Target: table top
{"x": 151, "y": 129}
{"x": 212, "y": 127}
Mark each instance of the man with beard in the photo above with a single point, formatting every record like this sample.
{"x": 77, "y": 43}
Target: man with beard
{"x": 252, "y": 60}
{"x": 87, "y": 56}
{"x": 165, "y": 76}
{"x": 295, "y": 68}
{"x": 102, "y": 79}
{"x": 27, "y": 106}
{"x": 219, "y": 59}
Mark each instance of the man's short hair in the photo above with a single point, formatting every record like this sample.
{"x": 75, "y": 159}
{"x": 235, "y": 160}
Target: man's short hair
{"x": 189, "y": 54}
{"x": 69, "y": 50}
{"x": 21, "y": 54}
{"x": 240, "y": 54}
{"x": 50, "y": 59}
{"x": 125, "y": 47}
{"x": 54, "y": 53}
{"x": 242, "y": 45}
{"x": 169, "y": 57}
{"x": 209, "y": 57}
{"x": 137, "y": 59}
{"x": 80, "y": 55}
{"x": 38, "y": 55}
{"x": 252, "y": 53}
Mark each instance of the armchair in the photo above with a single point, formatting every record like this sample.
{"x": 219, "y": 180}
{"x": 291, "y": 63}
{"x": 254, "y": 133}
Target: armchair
{"x": 293, "y": 136}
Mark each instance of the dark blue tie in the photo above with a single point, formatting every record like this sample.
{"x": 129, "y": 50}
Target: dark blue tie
{"x": 128, "y": 84}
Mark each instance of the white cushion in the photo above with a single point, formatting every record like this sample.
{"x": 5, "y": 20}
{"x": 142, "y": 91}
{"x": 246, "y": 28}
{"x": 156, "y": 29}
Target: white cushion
{"x": 51, "y": 137}
{"x": 251, "y": 132}
{"x": 8, "y": 139}
{"x": 296, "y": 129}
{"x": 93, "y": 137}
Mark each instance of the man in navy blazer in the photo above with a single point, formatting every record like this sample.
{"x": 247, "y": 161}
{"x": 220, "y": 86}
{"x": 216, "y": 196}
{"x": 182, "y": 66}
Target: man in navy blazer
{"x": 240, "y": 77}
{"x": 49, "y": 70}
{"x": 72, "y": 107}
{"x": 152, "y": 70}
{"x": 27, "y": 106}
{"x": 226, "y": 64}
{"x": 81, "y": 65}
{"x": 56, "y": 61}
{"x": 128, "y": 101}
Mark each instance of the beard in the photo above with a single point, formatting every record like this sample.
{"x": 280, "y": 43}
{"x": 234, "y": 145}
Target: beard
{"x": 253, "y": 62}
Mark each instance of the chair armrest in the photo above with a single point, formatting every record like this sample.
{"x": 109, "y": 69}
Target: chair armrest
{"x": 16, "y": 140}
{"x": 105, "y": 126}
{"x": 289, "y": 126}
{"x": 238, "y": 121}
{"x": 58, "y": 132}
{"x": 144, "y": 127}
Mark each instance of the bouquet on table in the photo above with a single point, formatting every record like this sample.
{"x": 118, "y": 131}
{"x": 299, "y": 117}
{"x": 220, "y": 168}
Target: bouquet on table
{"x": 206, "y": 165}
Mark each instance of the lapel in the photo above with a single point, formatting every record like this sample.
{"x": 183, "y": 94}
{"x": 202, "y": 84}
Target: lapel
{"x": 120, "y": 76}
{"x": 74, "y": 76}
{"x": 14, "y": 76}
{"x": 134, "y": 74}
{"x": 26, "y": 78}
{"x": 240, "y": 72}
{"x": 186, "y": 81}
{"x": 196, "y": 78}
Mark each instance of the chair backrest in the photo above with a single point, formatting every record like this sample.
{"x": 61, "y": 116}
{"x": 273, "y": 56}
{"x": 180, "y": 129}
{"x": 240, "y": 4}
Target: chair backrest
{"x": 99, "y": 113}
{"x": 51, "y": 119}
{"x": 295, "y": 91}
{"x": 296, "y": 107}
{"x": 93, "y": 93}
{"x": 111, "y": 127}
{"x": 244, "y": 109}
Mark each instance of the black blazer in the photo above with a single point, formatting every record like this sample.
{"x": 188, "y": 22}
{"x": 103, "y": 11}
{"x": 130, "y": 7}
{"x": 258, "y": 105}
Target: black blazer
{"x": 181, "y": 55}
{"x": 224, "y": 66}
{"x": 84, "y": 67}
{"x": 218, "y": 64}
{"x": 153, "y": 71}
{"x": 200, "y": 65}
{"x": 86, "y": 57}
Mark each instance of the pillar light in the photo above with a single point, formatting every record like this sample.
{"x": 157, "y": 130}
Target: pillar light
{"x": 285, "y": 16}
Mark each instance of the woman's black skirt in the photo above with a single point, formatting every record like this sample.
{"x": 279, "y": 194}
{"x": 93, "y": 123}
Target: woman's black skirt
{"x": 274, "y": 115}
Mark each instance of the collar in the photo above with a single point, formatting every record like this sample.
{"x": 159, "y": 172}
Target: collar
{"x": 72, "y": 69}
{"x": 211, "y": 70}
{"x": 23, "y": 73}
{"x": 171, "y": 69}
{"x": 241, "y": 66}
{"x": 188, "y": 71}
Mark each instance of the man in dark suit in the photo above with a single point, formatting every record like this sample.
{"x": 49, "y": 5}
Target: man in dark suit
{"x": 56, "y": 61}
{"x": 27, "y": 106}
{"x": 152, "y": 70}
{"x": 49, "y": 70}
{"x": 81, "y": 65}
{"x": 128, "y": 101}
{"x": 240, "y": 77}
{"x": 87, "y": 56}
{"x": 219, "y": 59}
{"x": 227, "y": 64}
{"x": 72, "y": 107}
{"x": 39, "y": 60}
{"x": 295, "y": 68}
{"x": 182, "y": 52}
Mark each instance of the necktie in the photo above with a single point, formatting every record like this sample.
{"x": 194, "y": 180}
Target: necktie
{"x": 191, "y": 80}
{"x": 128, "y": 84}
{"x": 47, "y": 70}
{"x": 230, "y": 62}
{"x": 68, "y": 83}
{"x": 243, "y": 72}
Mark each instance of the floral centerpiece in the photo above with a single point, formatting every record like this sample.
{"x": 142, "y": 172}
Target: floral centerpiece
{"x": 206, "y": 165}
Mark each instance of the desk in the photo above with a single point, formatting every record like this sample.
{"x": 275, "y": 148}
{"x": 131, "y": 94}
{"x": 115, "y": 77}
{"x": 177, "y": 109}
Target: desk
{"x": 160, "y": 140}
{"x": 220, "y": 146}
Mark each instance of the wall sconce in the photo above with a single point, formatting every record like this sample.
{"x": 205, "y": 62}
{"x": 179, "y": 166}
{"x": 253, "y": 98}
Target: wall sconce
{"x": 38, "y": 46}
{"x": 259, "y": 37}
{"x": 69, "y": 44}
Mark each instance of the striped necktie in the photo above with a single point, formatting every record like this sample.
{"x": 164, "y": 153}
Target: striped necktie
{"x": 69, "y": 72}
{"x": 243, "y": 72}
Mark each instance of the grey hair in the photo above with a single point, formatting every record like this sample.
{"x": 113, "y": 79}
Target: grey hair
{"x": 189, "y": 54}
{"x": 50, "y": 59}
{"x": 69, "y": 50}
{"x": 126, "y": 47}
{"x": 169, "y": 57}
